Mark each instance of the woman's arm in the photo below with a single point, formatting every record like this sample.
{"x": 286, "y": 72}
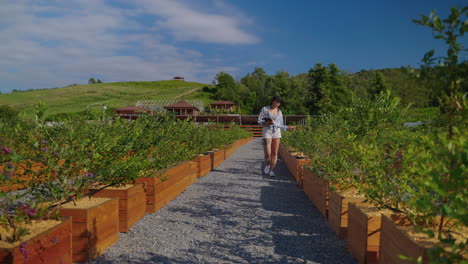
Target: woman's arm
{"x": 261, "y": 116}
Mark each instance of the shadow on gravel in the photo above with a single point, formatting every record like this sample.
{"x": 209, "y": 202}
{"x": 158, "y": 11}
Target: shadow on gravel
{"x": 300, "y": 232}
{"x": 149, "y": 257}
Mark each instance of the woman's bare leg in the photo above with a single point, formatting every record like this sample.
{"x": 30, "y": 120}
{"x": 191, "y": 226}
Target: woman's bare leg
{"x": 267, "y": 151}
{"x": 274, "y": 151}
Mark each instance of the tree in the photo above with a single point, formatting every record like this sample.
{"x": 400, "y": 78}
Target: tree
{"x": 340, "y": 94}
{"x": 442, "y": 173}
{"x": 319, "y": 99}
{"x": 256, "y": 82}
{"x": 450, "y": 71}
{"x": 91, "y": 80}
{"x": 378, "y": 85}
{"x": 327, "y": 92}
{"x": 225, "y": 87}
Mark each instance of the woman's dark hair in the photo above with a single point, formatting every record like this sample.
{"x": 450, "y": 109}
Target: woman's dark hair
{"x": 276, "y": 98}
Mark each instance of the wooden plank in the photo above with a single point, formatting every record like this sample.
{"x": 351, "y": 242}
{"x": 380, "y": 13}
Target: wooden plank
{"x": 394, "y": 242}
{"x": 357, "y": 234}
{"x": 102, "y": 227}
{"x": 50, "y": 246}
{"x": 338, "y": 212}
{"x": 78, "y": 216}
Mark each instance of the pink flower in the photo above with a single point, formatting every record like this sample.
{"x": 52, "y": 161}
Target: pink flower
{"x": 6, "y": 150}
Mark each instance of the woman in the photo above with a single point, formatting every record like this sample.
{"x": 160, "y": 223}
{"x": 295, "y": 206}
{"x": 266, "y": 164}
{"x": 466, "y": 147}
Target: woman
{"x": 271, "y": 119}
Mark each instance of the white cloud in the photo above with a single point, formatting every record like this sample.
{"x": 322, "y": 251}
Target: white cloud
{"x": 56, "y": 43}
{"x": 186, "y": 23}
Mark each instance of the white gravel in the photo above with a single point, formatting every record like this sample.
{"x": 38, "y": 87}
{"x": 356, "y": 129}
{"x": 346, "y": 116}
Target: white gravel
{"x": 233, "y": 215}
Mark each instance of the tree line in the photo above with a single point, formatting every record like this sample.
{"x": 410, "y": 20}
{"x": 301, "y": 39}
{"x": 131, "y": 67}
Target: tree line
{"x": 324, "y": 88}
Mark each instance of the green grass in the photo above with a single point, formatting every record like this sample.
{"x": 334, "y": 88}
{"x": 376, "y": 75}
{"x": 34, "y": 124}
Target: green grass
{"x": 114, "y": 95}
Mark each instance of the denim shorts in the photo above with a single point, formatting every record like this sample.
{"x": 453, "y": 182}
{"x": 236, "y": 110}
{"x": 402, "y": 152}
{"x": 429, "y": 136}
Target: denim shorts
{"x": 268, "y": 133}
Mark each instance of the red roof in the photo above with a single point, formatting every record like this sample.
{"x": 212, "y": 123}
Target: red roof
{"x": 181, "y": 105}
{"x": 131, "y": 108}
{"x": 223, "y": 103}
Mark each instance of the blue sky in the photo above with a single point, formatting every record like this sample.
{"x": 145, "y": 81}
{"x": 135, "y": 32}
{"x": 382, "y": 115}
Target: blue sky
{"x": 47, "y": 44}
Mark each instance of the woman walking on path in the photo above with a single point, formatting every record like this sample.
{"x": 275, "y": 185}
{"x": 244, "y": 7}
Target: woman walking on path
{"x": 271, "y": 119}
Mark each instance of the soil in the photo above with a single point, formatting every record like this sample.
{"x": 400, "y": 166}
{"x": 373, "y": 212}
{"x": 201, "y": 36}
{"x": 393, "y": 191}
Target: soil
{"x": 123, "y": 187}
{"x": 35, "y": 228}
{"x": 423, "y": 239}
{"x": 350, "y": 193}
{"x": 299, "y": 155}
{"x": 371, "y": 210}
{"x": 85, "y": 203}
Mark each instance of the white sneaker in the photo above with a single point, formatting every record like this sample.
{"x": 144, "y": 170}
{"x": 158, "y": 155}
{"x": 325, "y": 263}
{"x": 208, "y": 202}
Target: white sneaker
{"x": 272, "y": 174}
{"x": 267, "y": 169}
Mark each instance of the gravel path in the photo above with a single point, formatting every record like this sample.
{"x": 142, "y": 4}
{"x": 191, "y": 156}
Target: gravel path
{"x": 233, "y": 215}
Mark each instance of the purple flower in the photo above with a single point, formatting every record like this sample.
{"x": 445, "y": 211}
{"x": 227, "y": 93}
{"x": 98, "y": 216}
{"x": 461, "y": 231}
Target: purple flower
{"x": 31, "y": 212}
{"x": 89, "y": 174}
{"x": 43, "y": 142}
{"x": 24, "y": 251}
{"x": 6, "y": 150}
{"x": 44, "y": 149}
{"x": 56, "y": 153}
{"x": 28, "y": 210}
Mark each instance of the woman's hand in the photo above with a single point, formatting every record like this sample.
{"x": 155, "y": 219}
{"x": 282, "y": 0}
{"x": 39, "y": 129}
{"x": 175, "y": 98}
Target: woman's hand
{"x": 292, "y": 127}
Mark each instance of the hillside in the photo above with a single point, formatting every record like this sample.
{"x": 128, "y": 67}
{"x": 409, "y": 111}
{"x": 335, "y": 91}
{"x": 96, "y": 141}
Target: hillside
{"x": 113, "y": 95}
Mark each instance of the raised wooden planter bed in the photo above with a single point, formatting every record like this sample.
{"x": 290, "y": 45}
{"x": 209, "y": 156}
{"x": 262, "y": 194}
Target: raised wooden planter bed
{"x": 203, "y": 165}
{"x": 236, "y": 145}
{"x": 228, "y": 150}
{"x": 246, "y": 140}
{"x": 364, "y": 226}
{"x": 395, "y": 242}
{"x": 295, "y": 165}
{"x": 159, "y": 192}
{"x": 338, "y": 211}
{"x": 50, "y": 246}
{"x": 95, "y": 226}
{"x": 317, "y": 189}
{"x": 217, "y": 158}
{"x": 132, "y": 203}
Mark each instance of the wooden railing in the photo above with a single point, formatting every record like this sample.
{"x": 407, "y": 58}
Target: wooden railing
{"x": 237, "y": 119}
{"x": 256, "y": 130}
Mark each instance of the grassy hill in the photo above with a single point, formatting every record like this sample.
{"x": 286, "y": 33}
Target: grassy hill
{"x": 113, "y": 95}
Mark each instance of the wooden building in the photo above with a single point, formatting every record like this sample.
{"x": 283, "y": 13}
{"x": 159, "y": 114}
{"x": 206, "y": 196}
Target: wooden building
{"x": 178, "y": 78}
{"x": 129, "y": 112}
{"x": 183, "y": 108}
{"x": 223, "y": 106}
